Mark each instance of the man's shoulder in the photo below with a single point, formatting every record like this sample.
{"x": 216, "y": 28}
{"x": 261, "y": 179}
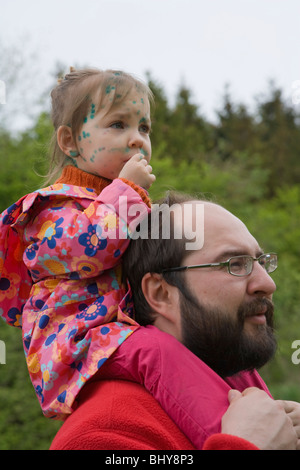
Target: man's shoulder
{"x": 119, "y": 415}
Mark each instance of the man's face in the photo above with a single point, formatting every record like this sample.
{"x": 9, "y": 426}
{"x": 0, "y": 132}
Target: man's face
{"x": 226, "y": 320}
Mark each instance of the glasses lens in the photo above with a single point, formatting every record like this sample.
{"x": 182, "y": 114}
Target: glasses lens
{"x": 269, "y": 262}
{"x": 240, "y": 265}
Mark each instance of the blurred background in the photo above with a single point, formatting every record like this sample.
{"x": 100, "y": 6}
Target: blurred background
{"x": 226, "y": 123}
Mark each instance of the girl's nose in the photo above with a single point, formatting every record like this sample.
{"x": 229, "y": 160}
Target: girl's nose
{"x": 135, "y": 140}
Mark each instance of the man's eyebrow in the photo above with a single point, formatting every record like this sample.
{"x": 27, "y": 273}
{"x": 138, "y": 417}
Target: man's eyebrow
{"x": 225, "y": 255}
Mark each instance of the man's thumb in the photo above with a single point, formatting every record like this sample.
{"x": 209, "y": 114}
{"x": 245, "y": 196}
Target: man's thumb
{"x": 233, "y": 395}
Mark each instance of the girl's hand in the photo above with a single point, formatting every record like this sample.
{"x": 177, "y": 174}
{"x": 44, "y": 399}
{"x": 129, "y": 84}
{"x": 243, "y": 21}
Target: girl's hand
{"x": 138, "y": 171}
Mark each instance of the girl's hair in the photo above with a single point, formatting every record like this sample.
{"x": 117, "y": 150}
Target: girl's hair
{"x": 73, "y": 97}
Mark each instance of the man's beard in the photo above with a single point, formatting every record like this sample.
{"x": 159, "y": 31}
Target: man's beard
{"x": 219, "y": 339}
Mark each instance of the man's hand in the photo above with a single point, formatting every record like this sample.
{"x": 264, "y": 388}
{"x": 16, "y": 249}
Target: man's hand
{"x": 138, "y": 171}
{"x": 256, "y": 417}
{"x": 292, "y": 409}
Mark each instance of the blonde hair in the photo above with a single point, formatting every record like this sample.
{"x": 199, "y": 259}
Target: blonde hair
{"x": 72, "y": 99}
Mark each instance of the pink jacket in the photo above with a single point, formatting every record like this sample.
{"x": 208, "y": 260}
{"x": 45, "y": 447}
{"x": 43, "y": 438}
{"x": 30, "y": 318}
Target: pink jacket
{"x": 191, "y": 393}
{"x": 60, "y": 251}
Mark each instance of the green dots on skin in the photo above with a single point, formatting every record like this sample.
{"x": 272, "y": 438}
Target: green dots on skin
{"x": 92, "y": 113}
{"x": 109, "y": 88}
{"x": 93, "y": 110}
{"x": 144, "y": 152}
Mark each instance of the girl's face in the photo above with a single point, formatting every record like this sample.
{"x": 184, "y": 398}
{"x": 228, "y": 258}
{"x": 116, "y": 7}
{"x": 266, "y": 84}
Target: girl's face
{"x": 108, "y": 139}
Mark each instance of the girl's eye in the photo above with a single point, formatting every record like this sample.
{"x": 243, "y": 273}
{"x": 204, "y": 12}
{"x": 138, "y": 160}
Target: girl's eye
{"x": 117, "y": 125}
{"x": 145, "y": 129}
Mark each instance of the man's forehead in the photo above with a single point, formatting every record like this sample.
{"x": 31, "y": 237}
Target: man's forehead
{"x": 222, "y": 230}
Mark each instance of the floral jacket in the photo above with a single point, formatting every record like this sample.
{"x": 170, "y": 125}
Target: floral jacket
{"x": 60, "y": 281}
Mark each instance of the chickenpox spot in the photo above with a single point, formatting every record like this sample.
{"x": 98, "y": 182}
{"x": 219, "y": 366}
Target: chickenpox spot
{"x": 85, "y": 135}
{"x": 144, "y": 152}
{"x": 72, "y": 161}
{"x": 93, "y": 110}
{"x": 109, "y": 88}
{"x": 92, "y": 113}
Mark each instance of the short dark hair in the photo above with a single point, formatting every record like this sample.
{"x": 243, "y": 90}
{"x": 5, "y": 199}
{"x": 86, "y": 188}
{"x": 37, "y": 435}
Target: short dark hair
{"x": 151, "y": 255}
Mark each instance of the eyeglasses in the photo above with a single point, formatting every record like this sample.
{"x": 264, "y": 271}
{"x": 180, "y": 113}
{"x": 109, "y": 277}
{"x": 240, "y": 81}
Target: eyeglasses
{"x": 237, "y": 265}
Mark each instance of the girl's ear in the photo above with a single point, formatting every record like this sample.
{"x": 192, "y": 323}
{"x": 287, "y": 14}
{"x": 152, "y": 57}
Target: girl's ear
{"x": 66, "y": 142}
{"x": 163, "y": 299}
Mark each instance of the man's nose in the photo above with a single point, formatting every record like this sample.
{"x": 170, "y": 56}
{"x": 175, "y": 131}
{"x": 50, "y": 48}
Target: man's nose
{"x": 260, "y": 282}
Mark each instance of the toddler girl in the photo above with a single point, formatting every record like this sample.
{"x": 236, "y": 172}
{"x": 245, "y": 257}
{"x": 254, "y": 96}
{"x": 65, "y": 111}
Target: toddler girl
{"x": 61, "y": 246}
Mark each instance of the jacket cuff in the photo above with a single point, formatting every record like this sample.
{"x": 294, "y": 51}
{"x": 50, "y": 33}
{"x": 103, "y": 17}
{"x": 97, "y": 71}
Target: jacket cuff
{"x": 142, "y": 192}
{"x": 227, "y": 442}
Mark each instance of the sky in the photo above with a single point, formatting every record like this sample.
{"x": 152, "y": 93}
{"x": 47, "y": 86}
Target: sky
{"x": 199, "y": 43}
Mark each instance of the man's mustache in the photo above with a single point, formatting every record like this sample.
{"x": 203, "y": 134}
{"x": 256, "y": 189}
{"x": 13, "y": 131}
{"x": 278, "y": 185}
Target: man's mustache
{"x": 258, "y": 307}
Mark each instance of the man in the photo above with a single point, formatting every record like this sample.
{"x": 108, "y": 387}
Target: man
{"x": 222, "y": 312}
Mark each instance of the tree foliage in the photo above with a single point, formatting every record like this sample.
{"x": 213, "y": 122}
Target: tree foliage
{"x": 247, "y": 161}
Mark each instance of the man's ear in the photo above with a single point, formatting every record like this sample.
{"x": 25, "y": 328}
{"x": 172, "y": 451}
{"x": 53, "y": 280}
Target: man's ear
{"x": 163, "y": 299}
{"x": 66, "y": 142}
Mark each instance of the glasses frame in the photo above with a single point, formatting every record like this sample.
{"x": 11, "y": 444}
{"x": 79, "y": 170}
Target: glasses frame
{"x": 227, "y": 263}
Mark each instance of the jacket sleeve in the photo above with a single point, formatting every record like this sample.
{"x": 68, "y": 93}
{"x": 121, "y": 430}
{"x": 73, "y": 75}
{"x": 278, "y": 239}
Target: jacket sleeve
{"x": 63, "y": 229}
{"x": 69, "y": 322}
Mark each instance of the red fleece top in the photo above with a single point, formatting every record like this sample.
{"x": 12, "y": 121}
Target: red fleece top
{"x": 121, "y": 415}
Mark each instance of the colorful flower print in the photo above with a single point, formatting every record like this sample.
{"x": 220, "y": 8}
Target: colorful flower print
{"x": 86, "y": 267}
{"x": 33, "y": 363}
{"x": 30, "y": 252}
{"x": 49, "y": 231}
{"x": 49, "y": 376}
{"x": 64, "y": 250}
{"x": 97, "y": 309}
{"x": 9, "y": 216}
{"x": 14, "y": 317}
{"x": 91, "y": 240}
{"x": 74, "y": 229}
{"x": 8, "y": 285}
{"x": 60, "y": 188}
{"x": 124, "y": 334}
{"x": 53, "y": 265}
